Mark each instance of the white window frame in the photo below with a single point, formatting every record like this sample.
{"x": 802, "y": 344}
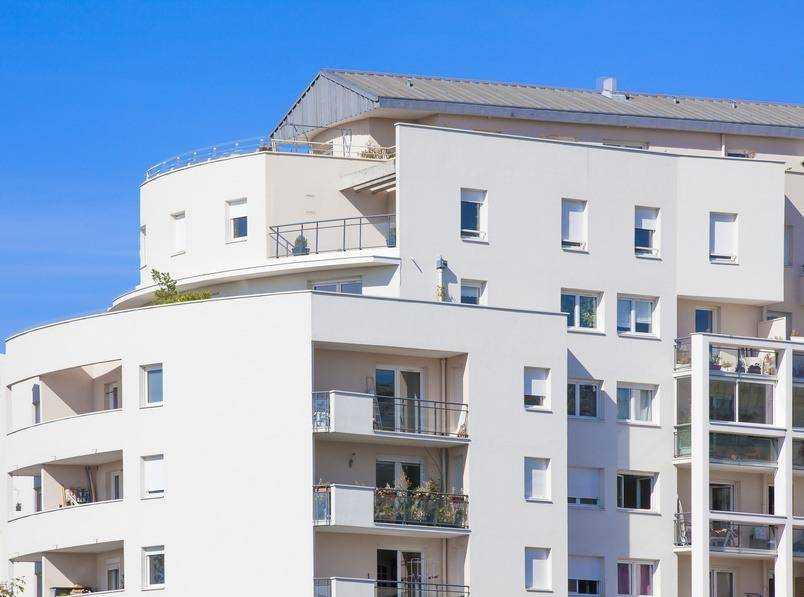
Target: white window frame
{"x": 575, "y": 501}
{"x": 112, "y": 476}
{"x": 715, "y": 319}
{"x": 545, "y": 584}
{"x": 179, "y": 232}
{"x": 478, "y": 196}
{"x": 631, "y": 331}
{"x": 576, "y": 314}
{"x": 546, "y": 404}
{"x": 633, "y": 577}
{"x": 633, "y": 407}
{"x": 479, "y": 286}
{"x": 338, "y": 283}
{"x": 715, "y": 257}
{"x": 531, "y": 463}
{"x": 236, "y": 203}
{"x": 145, "y": 493}
{"x": 155, "y": 550}
{"x": 653, "y": 250}
{"x": 143, "y": 246}
{"x": 144, "y": 369}
{"x": 567, "y": 243}
{"x": 577, "y": 383}
{"x": 654, "y": 479}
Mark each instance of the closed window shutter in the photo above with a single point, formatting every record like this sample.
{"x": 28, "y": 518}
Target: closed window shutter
{"x": 537, "y": 568}
{"x": 573, "y": 224}
{"x": 585, "y": 568}
{"x": 645, "y": 218}
{"x": 536, "y": 477}
{"x": 154, "y": 475}
{"x": 584, "y": 483}
{"x": 237, "y": 209}
{"x": 723, "y": 234}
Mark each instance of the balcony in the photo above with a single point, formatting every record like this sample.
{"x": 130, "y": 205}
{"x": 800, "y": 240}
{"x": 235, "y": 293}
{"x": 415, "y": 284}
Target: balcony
{"x": 752, "y": 361}
{"x": 256, "y": 145}
{"x": 727, "y": 536}
{"x": 362, "y": 587}
{"x": 730, "y": 449}
{"x": 389, "y": 511}
{"x": 368, "y": 417}
{"x": 300, "y": 239}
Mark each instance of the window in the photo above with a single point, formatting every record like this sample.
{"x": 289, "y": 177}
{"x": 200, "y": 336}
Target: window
{"x": 585, "y": 575}
{"x": 788, "y": 245}
{"x": 646, "y": 227}
{"x": 153, "y": 476}
{"x": 721, "y": 583}
{"x": 574, "y": 224}
{"x": 537, "y": 569}
{"x": 635, "y": 403}
{"x": 705, "y": 321}
{"x": 111, "y": 393}
{"x": 114, "y": 580}
{"x": 36, "y": 402}
{"x": 537, "y": 478}
{"x": 344, "y": 286}
{"x": 581, "y": 310}
{"x": 116, "y": 485}
{"x": 721, "y": 497}
{"x": 472, "y": 292}
{"x": 536, "y": 387}
{"x": 583, "y": 486}
{"x": 635, "y": 316}
{"x": 236, "y": 220}
{"x": 37, "y": 489}
{"x": 179, "y": 232}
{"x": 740, "y": 402}
{"x": 740, "y": 153}
{"x": 635, "y": 579}
{"x": 473, "y": 213}
{"x": 143, "y": 246}
{"x": 153, "y": 566}
{"x": 634, "y": 491}
{"x": 152, "y": 385}
{"x": 723, "y": 237}
{"x": 683, "y": 400}
{"x": 582, "y": 400}
{"x": 626, "y": 144}
{"x": 798, "y": 406}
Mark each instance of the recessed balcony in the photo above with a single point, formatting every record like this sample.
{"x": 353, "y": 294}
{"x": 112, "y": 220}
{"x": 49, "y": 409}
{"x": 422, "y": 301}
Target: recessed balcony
{"x": 390, "y": 511}
{"x": 390, "y": 419}
{"x": 730, "y": 360}
{"x": 363, "y": 587}
{"x": 729, "y": 537}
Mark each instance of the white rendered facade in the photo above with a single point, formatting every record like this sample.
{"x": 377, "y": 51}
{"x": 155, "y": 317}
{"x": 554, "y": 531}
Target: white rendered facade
{"x": 267, "y": 430}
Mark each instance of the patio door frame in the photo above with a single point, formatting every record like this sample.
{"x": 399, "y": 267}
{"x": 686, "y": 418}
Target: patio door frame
{"x": 399, "y": 408}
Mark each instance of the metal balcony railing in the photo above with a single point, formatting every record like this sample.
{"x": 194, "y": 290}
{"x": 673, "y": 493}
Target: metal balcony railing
{"x": 725, "y": 535}
{"x": 266, "y": 144}
{"x": 340, "y": 234}
{"x": 402, "y": 588}
{"x": 411, "y": 415}
{"x": 420, "y": 507}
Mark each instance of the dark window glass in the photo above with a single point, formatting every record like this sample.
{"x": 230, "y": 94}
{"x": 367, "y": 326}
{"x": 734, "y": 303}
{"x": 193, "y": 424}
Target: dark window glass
{"x": 704, "y": 321}
{"x": 240, "y": 227}
{"x": 568, "y": 307}
{"x": 587, "y": 401}
{"x": 643, "y": 238}
{"x": 571, "y": 399}
{"x": 470, "y": 217}
{"x": 721, "y": 400}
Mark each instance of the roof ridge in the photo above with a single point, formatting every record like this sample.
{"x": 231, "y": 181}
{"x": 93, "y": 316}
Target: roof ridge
{"x": 565, "y": 89}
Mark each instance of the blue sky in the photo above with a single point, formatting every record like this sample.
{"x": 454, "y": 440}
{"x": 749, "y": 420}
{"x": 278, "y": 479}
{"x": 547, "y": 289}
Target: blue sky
{"x": 94, "y": 92}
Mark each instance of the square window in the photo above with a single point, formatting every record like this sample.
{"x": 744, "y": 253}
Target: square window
{"x": 152, "y": 381}
{"x": 646, "y": 226}
{"x": 635, "y": 315}
{"x": 153, "y": 476}
{"x": 537, "y": 478}
{"x": 582, "y": 400}
{"x": 635, "y": 403}
{"x": 538, "y": 575}
{"x": 580, "y": 309}
{"x": 474, "y": 211}
{"x": 634, "y": 491}
{"x": 153, "y": 566}
{"x": 536, "y": 387}
{"x": 574, "y": 224}
{"x": 236, "y": 219}
{"x": 583, "y": 486}
{"x": 472, "y": 292}
{"x": 722, "y": 237}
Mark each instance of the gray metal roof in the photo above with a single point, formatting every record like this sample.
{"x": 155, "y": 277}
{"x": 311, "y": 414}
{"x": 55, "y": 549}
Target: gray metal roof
{"x": 337, "y": 95}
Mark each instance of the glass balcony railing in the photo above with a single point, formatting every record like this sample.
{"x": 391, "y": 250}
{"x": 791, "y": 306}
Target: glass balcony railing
{"x": 420, "y": 507}
{"x": 798, "y": 543}
{"x": 725, "y": 535}
{"x": 322, "y": 504}
{"x": 755, "y": 361}
{"x": 683, "y": 353}
{"x": 726, "y": 448}
{"x": 683, "y": 441}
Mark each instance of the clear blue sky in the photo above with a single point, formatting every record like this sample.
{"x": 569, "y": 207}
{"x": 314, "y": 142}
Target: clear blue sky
{"x": 93, "y": 92}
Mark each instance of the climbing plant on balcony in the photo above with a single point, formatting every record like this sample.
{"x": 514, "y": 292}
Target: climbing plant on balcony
{"x": 168, "y": 293}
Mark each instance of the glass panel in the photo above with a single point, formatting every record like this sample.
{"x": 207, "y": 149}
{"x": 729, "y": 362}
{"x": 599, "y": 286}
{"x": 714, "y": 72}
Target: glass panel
{"x": 753, "y": 403}
{"x": 154, "y": 386}
{"x": 629, "y": 497}
{"x": 721, "y": 400}
{"x": 587, "y": 401}
{"x": 644, "y": 411}
{"x": 623, "y": 579}
{"x": 798, "y": 453}
{"x": 720, "y": 498}
{"x": 704, "y": 320}
{"x": 385, "y": 389}
{"x": 798, "y": 365}
{"x": 470, "y": 295}
{"x": 645, "y": 579}
{"x": 240, "y": 227}
{"x": 643, "y": 238}
{"x": 410, "y": 382}
{"x": 568, "y": 307}
{"x": 386, "y": 474}
{"x": 588, "y": 314}
{"x": 412, "y": 474}
{"x": 623, "y": 315}
{"x": 644, "y": 317}
{"x": 352, "y": 287}
{"x": 470, "y": 216}
{"x": 683, "y": 400}
{"x": 722, "y": 584}
{"x": 726, "y": 447}
{"x": 571, "y": 399}
{"x": 798, "y": 406}
{"x": 156, "y": 569}
{"x": 328, "y": 287}
{"x": 623, "y": 403}
{"x": 645, "y": 488}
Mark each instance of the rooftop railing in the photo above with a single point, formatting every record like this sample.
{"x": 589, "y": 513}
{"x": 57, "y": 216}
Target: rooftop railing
{"x": 340, "y": 234}
{"x": 725, "y": 535}
{"x": 420, "y": 507}
{"x": 266, "y": 144}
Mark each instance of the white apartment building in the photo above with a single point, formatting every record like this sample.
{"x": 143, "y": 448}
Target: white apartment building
{"x": 464, "y": 338}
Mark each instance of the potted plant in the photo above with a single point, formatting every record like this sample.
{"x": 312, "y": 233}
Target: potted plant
{"x": 300, "y": 246}
{"x": 715, "y": 362}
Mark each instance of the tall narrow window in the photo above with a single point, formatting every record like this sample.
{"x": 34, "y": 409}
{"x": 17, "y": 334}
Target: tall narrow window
{"x": 705, "y": 321}
{"x": 153, "y": 476}
{"x": 237, "y": 220}
{"x": 574, "y": 224}
{"x": 537, "y": 478}
{"x": 152, "y": 390}
{"x": 536, "y": 381}
{"x": 179, "y": 232}
{"x": 723, "y": 237}
{"x": 37, "y": 488}
{"x": 537, "y": 569}
{"x": 143, "y": 246}
{"x": 583, "y": 486}
{"x": 585, "y": 575}
{"x": 646, "y": 231}
{"x": 111, "y": 392}
{"x": 635, "y": 579}
{"x": 153, "y": 566}
{"x": 116, "y": 485}
{"x": 473, "y": 213}
{"x": 36, "y": 401}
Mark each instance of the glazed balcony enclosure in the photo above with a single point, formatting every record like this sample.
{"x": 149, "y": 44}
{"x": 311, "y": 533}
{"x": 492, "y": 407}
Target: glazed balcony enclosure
{"x": 728, "y": 536}
{"x": 400, "y": 398}
{"x": 731, "y": 449}
{"x": 67, "y": 393}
